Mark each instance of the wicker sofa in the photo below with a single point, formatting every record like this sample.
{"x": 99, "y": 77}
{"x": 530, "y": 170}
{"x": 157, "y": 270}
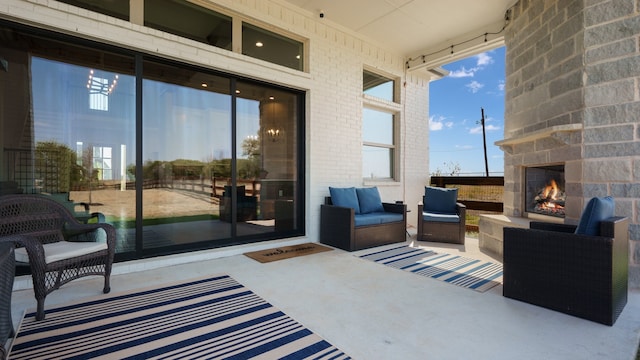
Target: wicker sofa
{"x": 348, "y": 228}
{"x": 583, "y": 275}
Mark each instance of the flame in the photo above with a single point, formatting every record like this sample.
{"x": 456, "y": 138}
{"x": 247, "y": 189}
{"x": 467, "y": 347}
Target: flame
{"x": 550, "y": 193}
{"x": 551, "y": 190}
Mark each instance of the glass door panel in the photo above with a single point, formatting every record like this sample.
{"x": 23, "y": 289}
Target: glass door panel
{"x": 267, "y": 157}
{"x": 62, "y": 104}
{"x": 186, "y": 156}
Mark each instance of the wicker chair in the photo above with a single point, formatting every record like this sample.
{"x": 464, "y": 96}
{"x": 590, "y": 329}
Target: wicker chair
{"x": 582, "y": 275}
{"x": 55, "y": 245}
{"x": 7, "y": 269}
{"x": 440, "y": 217}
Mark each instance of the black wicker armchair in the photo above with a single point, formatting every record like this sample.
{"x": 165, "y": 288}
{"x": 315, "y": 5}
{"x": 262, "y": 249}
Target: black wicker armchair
{"x": 54, "y": 244}
{"x": 7, "y": 268}
{"x": 581, "y": 275}
{"x": 440, "y": 217}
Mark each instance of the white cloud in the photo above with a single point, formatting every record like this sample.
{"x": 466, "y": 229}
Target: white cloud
{"x": 487, "y": 128}
{"x": 474, "y": 86}
{"x": 463, "y": 72}
{"x": 439, "y": 123}
{"x": 464, "y": 147}
{"x": 484, "y": 59}
{"x": 501, "y": 85}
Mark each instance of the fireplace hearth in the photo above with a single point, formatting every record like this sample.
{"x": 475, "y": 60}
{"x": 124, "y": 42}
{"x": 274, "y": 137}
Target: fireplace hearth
{"x": 545, "y": 190}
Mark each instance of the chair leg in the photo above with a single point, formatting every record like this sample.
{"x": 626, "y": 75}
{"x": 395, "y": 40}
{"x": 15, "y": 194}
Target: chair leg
{"x": 107, "y": 286}
{"x": 40, "y": 310}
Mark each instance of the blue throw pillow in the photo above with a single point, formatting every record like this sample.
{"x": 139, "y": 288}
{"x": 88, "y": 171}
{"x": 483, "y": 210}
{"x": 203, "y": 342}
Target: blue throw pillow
{"x": 597, "y": 209}
{"x": 440, "y": 200}
{"x": 369, "y": 200}
{"x": 345, "y": 197}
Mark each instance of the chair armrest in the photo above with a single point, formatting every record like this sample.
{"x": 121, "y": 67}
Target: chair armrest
{"x": 395, "y": 208}
{"x": 565, "y": 228}
{"x": 34, "y": 247}
{"x": 337, "y": 215}
{"x": 88, "y": 233}
{"x": 461, "y": 209}
{"x": 337, "y": 226}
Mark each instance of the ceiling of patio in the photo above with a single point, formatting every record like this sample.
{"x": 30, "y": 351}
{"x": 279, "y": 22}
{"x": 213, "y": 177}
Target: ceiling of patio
{"x": 419, "y": 27}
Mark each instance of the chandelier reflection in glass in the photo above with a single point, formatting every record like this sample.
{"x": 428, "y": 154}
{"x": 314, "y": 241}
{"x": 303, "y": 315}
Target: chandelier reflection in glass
{"x": 99, "y": 90}
{"x": 273, "y": 134}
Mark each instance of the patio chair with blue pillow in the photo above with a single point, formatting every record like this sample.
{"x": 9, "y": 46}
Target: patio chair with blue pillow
{"x": 578, "y": 270}
{"x": 441, "y": 218}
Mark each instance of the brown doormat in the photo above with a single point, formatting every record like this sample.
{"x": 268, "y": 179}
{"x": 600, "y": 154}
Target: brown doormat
{"x": 286, "y": 252}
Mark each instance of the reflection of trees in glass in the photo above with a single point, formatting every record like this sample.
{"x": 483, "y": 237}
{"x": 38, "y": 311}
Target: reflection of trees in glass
{"x": 159, "y": 172}
{"x": 55, "y": 167}
{"x": 250, "y": 168}
{"x": 59, "y": 169}
{"x": 88, "y": 174}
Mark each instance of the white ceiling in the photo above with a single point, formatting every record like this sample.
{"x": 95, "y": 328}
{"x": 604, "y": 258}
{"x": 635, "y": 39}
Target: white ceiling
{"x": 416, "y": 27}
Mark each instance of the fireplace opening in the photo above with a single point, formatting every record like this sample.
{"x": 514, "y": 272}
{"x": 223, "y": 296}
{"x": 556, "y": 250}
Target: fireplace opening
{"x": 545, "y": 190}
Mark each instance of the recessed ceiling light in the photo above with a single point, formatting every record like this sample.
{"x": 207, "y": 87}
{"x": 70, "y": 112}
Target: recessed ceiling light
{"x": 271, "y": 97}
{"x": 298, "y": 57}
{"x": 204, "y": 84}
{"x": 259, "y": 44}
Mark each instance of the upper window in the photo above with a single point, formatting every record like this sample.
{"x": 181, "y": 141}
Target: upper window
{"x": 269, "y": 46}
{"x": 115, "y": 8}
{"x": 184, "y": 19}
{"x": 378, "y": 86}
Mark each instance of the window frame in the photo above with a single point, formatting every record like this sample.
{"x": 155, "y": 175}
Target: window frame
{"x": 394, "y": 108}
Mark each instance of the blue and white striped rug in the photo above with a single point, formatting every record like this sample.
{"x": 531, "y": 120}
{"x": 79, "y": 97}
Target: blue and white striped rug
{"x": 209, "y": 318}
{"x": 454, "y": 269}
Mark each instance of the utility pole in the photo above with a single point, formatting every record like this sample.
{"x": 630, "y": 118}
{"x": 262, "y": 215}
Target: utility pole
{"x": 484, "y": 140}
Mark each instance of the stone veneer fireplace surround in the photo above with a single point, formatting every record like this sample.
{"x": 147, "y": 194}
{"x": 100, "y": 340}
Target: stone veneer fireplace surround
{"x": 571, "y": 96}
{"x": 540, "y": 149}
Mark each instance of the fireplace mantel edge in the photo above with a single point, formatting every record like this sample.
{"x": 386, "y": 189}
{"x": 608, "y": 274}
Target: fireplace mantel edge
{"x": 553, "y": 131}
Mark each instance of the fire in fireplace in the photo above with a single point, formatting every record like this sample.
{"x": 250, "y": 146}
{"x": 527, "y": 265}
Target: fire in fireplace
{"x": 545, "y": 193}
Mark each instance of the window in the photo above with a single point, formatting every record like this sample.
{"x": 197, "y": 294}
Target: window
{"x": 199, "y": 23}
{"x": 266, "y": 45}
{"x": 378, "y": 144}
{"x": 102, "y": 162}
{"x": 184, "y": 19}
{"x": 115, "y": 8}
{"x": 378, "y": 126}
{"x": 378, "y": 86}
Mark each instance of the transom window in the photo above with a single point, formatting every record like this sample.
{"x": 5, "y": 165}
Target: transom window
{"x": 205, "y": 25}
{"x": 378, "y": 86}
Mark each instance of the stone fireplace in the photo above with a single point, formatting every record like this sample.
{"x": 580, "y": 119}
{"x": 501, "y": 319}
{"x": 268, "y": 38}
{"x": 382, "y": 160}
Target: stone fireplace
{"x": 570, "y": 99}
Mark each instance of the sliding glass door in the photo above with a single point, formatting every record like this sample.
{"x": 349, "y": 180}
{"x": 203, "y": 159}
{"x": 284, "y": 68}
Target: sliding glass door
{"x": 176, "y": 157}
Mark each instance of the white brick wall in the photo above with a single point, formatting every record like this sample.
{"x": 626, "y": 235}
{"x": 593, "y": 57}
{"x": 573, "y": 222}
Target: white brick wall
{"x": 333, "y": 85}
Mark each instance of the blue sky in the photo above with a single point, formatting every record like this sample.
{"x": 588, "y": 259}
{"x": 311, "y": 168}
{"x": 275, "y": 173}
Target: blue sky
{"x": 455, "y": 132}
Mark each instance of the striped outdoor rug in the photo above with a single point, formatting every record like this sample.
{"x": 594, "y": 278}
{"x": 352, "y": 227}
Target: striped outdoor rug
{"x": 209, "y": 318}
{"x": 469, "y": 273}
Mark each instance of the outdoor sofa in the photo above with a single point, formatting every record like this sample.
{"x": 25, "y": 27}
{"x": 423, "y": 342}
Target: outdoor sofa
{"x": 352, "y": 219}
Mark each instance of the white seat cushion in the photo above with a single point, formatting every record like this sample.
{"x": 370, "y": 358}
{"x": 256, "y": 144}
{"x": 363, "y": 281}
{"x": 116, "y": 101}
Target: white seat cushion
{"x": 62, "y": 250}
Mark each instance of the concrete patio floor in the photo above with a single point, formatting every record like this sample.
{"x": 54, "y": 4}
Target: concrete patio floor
{"x": 372, "y": 311}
